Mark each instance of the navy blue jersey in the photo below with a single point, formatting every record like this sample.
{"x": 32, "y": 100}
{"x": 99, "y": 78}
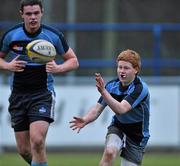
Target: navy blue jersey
{"x": 34, "y": 76}
{"x": 134, "y": 123}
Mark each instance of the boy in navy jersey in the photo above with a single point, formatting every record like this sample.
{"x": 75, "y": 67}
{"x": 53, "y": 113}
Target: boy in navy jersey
{"x": 128, "y": 97}
{"x": 32, "y": 99}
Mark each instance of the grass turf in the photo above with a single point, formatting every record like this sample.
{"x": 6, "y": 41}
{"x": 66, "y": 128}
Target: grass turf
{"x": 89, "y": 159}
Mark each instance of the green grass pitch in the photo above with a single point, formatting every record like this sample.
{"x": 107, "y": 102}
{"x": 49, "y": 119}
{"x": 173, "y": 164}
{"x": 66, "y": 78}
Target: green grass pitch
{"x": 89, "y": 159}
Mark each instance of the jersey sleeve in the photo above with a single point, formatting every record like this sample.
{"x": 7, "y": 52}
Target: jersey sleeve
{"x": 57, "y": 38}
{"x": 4, "y": 44}
{"x": 62, "y": 46}
{"x": 137, "y": 94}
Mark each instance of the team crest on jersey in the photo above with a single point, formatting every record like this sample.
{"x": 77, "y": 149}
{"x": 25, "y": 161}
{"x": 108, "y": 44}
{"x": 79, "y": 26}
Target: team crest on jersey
{"x": 42, "y": 110}
{"x": 17, "y": 48}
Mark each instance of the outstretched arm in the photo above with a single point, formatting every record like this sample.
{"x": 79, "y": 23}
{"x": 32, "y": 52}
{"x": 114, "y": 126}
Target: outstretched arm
{"x": 116, "y": 106}
{"x": 78, "y": 123}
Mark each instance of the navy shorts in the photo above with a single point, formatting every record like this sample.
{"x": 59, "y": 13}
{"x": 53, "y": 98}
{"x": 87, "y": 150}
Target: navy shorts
{"x": 131, "y": 151}
{"x": 26, "y": 108}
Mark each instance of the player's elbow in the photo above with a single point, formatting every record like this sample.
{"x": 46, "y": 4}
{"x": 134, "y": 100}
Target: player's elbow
{"x": 121, "y": 111}
{"x": 76, "y": 63}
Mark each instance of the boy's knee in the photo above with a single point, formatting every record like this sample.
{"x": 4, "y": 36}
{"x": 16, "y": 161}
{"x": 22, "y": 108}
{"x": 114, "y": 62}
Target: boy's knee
{"x": 111, "y": 153}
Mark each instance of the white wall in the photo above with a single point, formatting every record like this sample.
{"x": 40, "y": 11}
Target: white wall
{"x": 75, "y": 101}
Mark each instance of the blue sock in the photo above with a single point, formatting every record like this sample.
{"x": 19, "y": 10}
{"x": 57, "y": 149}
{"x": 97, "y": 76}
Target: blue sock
{"x": 38, "y": 164}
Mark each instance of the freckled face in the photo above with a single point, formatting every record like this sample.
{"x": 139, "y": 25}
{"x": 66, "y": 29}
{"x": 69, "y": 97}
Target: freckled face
{"x": 126, "y": 72}
{"x": 32, "y": 17}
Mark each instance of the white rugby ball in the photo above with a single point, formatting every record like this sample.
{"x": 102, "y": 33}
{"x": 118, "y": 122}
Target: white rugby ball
{"x": 41, "y": 51}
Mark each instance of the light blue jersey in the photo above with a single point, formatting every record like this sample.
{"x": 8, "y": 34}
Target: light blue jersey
{"x": 34, "y": 77}
{"x": 134, "y": 123}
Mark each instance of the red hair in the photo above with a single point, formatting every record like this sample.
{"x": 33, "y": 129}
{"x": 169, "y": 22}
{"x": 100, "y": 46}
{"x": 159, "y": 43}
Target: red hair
{"x": 132, "y": 57}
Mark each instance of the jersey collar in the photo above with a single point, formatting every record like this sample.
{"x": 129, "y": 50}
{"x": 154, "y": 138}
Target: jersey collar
{"x": 32, "y": 35}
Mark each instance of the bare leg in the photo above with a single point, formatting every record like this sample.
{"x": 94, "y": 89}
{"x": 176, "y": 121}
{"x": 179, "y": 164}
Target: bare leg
{"x": 112, "y": 149}
{"x": 23, "y": 145}
{"x": 38, "y": 131}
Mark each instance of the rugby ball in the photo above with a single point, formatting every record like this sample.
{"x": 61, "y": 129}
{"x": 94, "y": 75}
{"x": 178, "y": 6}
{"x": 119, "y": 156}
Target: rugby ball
{"x": 41, "y": 51}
